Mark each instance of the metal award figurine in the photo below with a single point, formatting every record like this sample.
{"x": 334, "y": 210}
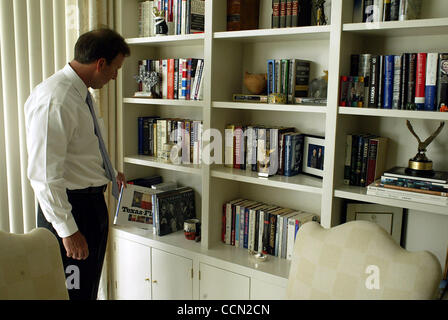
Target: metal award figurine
{"x": 319, "y": 13}
{"x": 149, "y": 79}
{"x": 420, "y": 165}
{"x": 160, "y": 26}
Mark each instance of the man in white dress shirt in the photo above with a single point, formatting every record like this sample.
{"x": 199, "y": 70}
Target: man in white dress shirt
{"x": 65, "y": 165}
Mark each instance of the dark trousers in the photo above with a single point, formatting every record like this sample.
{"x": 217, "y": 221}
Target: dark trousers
{"x": 90, "y": 213}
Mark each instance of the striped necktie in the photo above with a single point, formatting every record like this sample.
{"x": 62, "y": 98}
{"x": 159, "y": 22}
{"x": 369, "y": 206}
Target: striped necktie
{"x": 110, "y": 173}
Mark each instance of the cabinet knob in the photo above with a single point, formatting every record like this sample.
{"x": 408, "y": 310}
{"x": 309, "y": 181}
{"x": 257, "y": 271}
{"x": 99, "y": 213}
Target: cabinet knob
{"x": 154, "y": 281}
{"x": 147, "y": 279}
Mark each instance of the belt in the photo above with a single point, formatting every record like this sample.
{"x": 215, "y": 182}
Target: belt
{"x": 99, "y": 189}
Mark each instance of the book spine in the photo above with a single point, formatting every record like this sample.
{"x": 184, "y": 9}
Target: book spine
{"x": 170, "y": 81}
{"x": 176, "y": 79}
{"x": 294, "y": 13}
{"x": 275, "y": 14}
{"x": 380, "y": 81}
{"x": 288, "y": 160}
{"x": 271, "y": 82}
{"x": 288, "y": 13}
{"x": 238, "y": 222}
{"x": 409, "y": 183}
{"x": 358, "y": 11}
{"x": 365, "y": 154}
{"x": 420, "y": 81}
{"x": 189, "y": 70}
{"x": 260, "y": 230}
{"x": 272, "y": 233}
{"x": 278, "y": 236}
{"x": 386, "y": 10}
{"x": 224, "y": 223}
{"x": 266, "y": 233}
{"x": 407, "y": 195}
{"x": 394, "y": 10}
{"x": 246, "y": 229}
{"x": 410, "y": 100}
{"x": 302, "y": 75}
{"x": 396, "y": 98}
{"x": 388, "y": 81}
{"x": 404, "y": 80}
{"x": 373, "y": 85}
{"x": 282, "y": 13}
{"x": 431, "y": 82}
{"x": 368, "y": 11}
{"x": 348, "y": 158}
{"x": 442, "y": 81}
{"x": 415, "y": 190}
{"x": 371, "y": 161}
{"x": 291, "y": 238}
{"x": 256, "y": 230}
{"x": 237, "y": 147}
{"x": 251, "y": 232}
{"x": 184, "y": 17}
{"x": 140, "y": 135}
{"x": 284, "y": 77}
{"x": 278, "y": 76}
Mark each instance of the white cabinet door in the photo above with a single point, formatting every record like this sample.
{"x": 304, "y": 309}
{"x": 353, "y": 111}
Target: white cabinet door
{"x": 132, "y": 270}
{"x": 220, "y": 284}
{"x": 261, "y": 290}
{"x": 172, "y": 276}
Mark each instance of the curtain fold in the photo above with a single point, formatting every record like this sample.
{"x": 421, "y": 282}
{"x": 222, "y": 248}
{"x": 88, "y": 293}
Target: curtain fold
{"x": 37, "y": 38}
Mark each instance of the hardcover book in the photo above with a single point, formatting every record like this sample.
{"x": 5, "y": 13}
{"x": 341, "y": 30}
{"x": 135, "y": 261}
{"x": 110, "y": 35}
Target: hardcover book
{"x": 135, "y": 207}
{"x": 173, "y": 208}
{"x": 399, "y": 172}
{"x": 442, "y": 80}
{"x": 242, "y": 15}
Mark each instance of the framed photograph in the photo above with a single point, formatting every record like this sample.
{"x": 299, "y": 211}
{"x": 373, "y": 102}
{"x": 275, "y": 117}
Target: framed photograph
{"x": 313, "y": 155}
{"x": 390, "y": 218}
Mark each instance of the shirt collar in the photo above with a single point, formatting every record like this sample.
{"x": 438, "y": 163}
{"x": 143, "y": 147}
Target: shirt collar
{"x": 79, "y": 85}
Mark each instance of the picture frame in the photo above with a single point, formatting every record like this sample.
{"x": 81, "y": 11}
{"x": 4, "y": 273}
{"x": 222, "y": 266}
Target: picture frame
{"x": 390, "y": 218}
{"x": 313, "y": 155}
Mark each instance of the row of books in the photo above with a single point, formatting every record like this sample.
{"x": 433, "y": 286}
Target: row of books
{"x": 180, "y": 79}
{"x": 261, "y": 227}
{"x": 291, "y": 13}
{"x": 261, "y": 98}
{"x": 365, "y": 159}
{"x": 410, "y": 81}
{"x": 395, "y": 183}
{"x": 386, "y": 10}
{"x": 289, "y": 77}
{"x": 181, "y": 16}
{"x": 158, "y": 136}
{"x": 246, "y": 146}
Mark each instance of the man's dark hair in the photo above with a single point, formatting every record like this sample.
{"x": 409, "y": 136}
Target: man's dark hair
{"x": 100, "y": 43}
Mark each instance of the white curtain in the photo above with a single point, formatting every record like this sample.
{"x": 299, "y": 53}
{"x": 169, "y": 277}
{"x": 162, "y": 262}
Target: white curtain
{"x": 37, "y": 38}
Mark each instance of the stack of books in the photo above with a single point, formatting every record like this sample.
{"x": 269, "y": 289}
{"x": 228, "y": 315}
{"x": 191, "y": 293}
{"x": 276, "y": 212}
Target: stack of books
{"x": 181, "y": 16}
{"x": 396, "y": 184}
{"x": 409, "y": 81}
{"x": 179, "y": 79}
{"x": 260, "y": 227}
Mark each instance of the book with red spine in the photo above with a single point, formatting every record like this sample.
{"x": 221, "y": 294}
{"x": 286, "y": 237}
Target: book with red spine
{"x": 420, "y": 82}
{"x": 170, "y": 80}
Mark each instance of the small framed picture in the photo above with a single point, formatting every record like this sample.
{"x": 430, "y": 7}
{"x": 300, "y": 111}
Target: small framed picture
{"x": 313, "y": 155}
{"x": 390, "y": 218}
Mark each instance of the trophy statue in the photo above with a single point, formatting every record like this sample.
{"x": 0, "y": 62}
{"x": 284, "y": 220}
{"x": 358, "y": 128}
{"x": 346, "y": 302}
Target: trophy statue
{"x": 149, "y": 79}
{"x": 420, "y": 165}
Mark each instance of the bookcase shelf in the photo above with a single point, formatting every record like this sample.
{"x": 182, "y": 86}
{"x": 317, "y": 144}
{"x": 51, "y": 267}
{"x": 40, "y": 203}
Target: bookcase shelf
{"x": 283, "y": 34}
{"x": 269, "y": 107}
{"x": 174, "y": 40}
{"x": 299, "y": 182}
{"x": 165, "y": 102}
{"x": 420, "y": 27}
{"x": 428, "y": 115}
{"x": 163, "y": 164}
{"x": 360, "y": 194}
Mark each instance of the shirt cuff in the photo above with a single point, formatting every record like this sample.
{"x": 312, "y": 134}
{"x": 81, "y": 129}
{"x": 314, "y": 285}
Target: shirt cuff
{"x": 67, "y": 228}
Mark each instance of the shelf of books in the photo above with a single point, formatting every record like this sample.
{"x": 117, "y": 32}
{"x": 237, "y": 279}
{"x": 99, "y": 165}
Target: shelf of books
{"x": 266, "y": 35}
{"x": 165, "y": 102}
{"x": 360, "y": 194}
{"x": 302, "y": 183}
{"x": 163, "y": 164}
{"x": 420, "y": 27}
{"x": 269, "y": 107}
{"x": 405, "y": 114}
{"x": 170, "y": 40}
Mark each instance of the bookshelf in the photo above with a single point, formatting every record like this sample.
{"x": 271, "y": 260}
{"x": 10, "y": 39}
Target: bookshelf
{"x": 227, "y": 56}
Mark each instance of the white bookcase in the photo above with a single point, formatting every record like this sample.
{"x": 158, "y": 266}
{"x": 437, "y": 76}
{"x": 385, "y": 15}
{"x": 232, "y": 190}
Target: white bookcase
{"x": 227, "y": 56}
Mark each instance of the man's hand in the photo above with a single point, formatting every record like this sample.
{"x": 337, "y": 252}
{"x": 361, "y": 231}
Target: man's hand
{"x": 121, "y": 180}
{"x": 76, "y": 246}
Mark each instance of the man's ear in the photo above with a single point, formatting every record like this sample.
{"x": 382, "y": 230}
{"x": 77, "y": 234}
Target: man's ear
{"x": 100, "y": 63}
